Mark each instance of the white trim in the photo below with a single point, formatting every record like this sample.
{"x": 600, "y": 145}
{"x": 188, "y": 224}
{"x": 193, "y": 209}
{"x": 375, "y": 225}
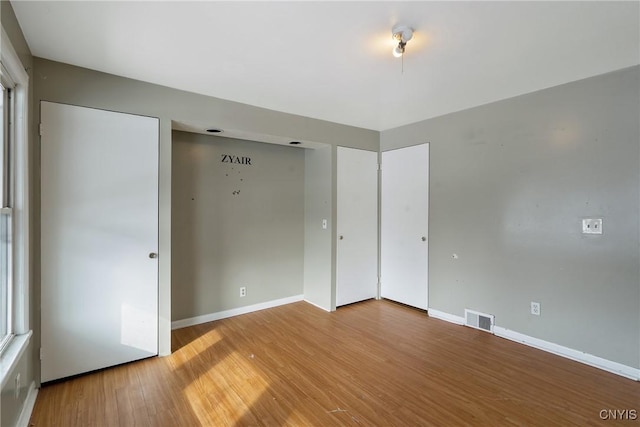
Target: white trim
{"x": 177, "y": 324}
{"x": 27, "y": 408}
{"x": 569, "y": 353}
{"x": 11, "y": 355}
{"x": 436, "y": 314}
{"x": 21, "y": 214}
{"x": 316, "y": 305}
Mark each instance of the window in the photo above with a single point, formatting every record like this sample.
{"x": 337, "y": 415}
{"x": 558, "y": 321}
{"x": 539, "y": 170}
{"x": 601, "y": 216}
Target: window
{"x": 15, "y": 332}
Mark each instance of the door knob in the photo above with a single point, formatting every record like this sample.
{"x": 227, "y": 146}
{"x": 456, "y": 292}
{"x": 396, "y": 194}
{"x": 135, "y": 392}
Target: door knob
{"x": 424, "y": 239}
{"x": 341, "y": 237}
{"x": 153, "y": 255}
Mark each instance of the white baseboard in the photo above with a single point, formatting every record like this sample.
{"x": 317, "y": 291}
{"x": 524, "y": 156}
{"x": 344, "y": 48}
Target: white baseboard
{"x": 458, "y": 320}
{"x": 566, "y": 352}
{"x": 233, "y": 312}
{"x": 29, "y": 403}
{"x": 569, "y": 353}
{"x": 316, "y": 305}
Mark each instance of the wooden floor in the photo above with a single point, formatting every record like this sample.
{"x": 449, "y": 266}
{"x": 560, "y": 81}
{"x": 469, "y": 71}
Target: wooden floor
{"x": 370, "y": 364}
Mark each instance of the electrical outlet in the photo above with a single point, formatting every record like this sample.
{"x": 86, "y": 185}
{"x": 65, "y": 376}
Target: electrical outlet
{"x": 243, "y": 291}
{"x": 592, "y": 226}
{"x": 535, "y": 308}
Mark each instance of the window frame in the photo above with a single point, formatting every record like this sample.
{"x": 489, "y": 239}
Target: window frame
{"x": 13, "y": 70}
{"x": 6, "y": 199}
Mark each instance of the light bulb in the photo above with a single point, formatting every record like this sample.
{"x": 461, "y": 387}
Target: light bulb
{"x": 398, "y": 51}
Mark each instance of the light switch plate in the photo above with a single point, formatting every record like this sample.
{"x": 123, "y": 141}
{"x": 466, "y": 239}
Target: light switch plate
{"x": 592, "y": 226}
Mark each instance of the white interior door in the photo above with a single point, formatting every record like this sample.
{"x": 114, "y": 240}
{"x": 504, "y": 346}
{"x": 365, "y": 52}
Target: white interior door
{"x": 405, "y": 225}
{"x": 357, "y": 226}
{"x": 99, "y": 238}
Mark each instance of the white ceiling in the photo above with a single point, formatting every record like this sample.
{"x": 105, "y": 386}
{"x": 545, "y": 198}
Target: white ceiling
{"x": 332, "y": 60}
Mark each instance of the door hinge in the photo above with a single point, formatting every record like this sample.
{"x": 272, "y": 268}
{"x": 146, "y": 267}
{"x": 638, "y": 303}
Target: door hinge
{"x": 40, "y": 353}
{"x": 40, "y": 129}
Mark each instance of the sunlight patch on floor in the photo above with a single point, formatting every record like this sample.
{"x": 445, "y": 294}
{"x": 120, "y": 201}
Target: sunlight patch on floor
{"x": 200, "y": 345}
{"x": 238, "y": 384}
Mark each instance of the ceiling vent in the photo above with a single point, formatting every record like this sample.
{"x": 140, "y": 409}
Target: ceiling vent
{"x": 477, "y": 320}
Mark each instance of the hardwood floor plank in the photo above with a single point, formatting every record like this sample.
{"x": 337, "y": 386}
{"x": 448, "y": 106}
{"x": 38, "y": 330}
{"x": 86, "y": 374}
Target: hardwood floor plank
{"x": 374, "y": 363}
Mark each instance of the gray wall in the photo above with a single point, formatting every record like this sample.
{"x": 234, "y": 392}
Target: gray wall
{"x": 11, "y": 406}
{"x": 319, "y": 288}
{"x": 510, "y": 183}
{"x": 234, "y": 225}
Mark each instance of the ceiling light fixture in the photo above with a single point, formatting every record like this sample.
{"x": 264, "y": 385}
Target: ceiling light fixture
{"x": 402, "y": 34}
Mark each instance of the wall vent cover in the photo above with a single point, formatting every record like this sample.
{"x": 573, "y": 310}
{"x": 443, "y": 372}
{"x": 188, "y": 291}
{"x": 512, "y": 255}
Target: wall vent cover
{"x": 478, "y": 320}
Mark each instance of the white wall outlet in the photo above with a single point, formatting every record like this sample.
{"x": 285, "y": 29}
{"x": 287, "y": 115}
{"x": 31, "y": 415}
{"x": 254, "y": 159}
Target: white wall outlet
{"x": 243, "y": 291}
{"x": 535, "y": 308}
{"x": 592, "y": 226}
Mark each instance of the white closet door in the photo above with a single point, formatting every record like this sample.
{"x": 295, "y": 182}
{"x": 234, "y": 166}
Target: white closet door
{"x": 357, "y": 226}
{"x": 99, "y": 236}
{"x": 405, "y": 225}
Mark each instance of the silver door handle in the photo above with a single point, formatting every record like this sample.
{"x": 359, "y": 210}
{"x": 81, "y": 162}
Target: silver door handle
{"x": 153, "y": 255}
{"x": 341, "y": 237}
{"x": 424, "y": 239}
